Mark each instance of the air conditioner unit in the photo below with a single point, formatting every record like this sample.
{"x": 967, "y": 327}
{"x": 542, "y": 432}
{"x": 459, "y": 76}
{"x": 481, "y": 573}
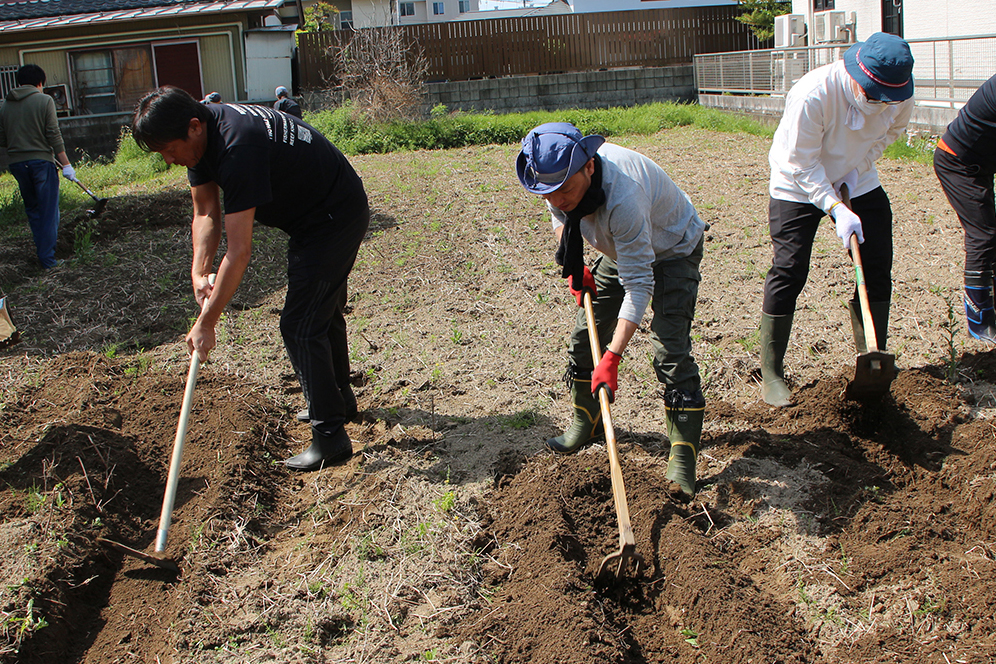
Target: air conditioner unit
{"x": 829, "y": 27}
{"x": 790, "y": 30}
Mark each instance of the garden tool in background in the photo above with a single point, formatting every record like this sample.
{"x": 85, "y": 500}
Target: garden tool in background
{"x": 627, "y": 543}
{"x": 100, "y": 203}
{"x": 874, "y": 370}
{"x": 158, "y": 557}
{"x": 8, "y": 333}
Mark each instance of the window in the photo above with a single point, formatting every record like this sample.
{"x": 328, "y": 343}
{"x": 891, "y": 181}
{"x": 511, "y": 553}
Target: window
{"x": 111, "y": 80}
{"x": 408, "y": 9}
{"x": 8, "y": 80}
{"x": 464, "y": 6}
{"x": 822, "y": 5}
{"x": 345, "y": 20}
{"x": 437, "y": 8}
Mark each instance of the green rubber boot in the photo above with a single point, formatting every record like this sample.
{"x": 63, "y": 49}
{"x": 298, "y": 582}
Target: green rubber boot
{"x": 683, "y": 412}
{"x": 880, "y": 319}
{"x": 775, "y": 331}
{"x": 587, "y": 425}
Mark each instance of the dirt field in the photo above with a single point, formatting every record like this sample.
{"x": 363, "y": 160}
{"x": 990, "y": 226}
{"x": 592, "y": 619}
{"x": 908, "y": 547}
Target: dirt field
{"x": 824, "y": 532}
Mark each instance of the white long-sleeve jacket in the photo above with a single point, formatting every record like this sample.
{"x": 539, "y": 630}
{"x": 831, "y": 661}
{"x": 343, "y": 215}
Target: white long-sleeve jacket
{"x": 823, "y": 136}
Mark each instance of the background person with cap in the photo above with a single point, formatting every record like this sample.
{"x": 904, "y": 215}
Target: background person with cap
{"x": 650, "y": 241}
{"x": 285, "y": 103}
{"x": 212, "y": 98}
{"x": 965, "y": 161}
{"x": 29, "y": 131}
{"x": 281, "y": 172}
{"x": 838, "y": 121}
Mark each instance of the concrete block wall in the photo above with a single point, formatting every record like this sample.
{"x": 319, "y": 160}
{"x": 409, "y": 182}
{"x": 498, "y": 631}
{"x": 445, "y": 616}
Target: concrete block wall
{"x": 91, "y": 136}
{"x": 550, "y": 92}
{"x": 931, "y": 120}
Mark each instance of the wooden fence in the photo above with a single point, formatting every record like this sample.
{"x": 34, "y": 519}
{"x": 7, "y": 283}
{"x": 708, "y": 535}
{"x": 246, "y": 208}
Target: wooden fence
{"x": 464, "y": 50}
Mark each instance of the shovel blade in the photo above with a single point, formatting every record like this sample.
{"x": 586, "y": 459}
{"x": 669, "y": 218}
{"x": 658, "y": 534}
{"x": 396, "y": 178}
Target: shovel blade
{"x": 98, "y": 208}
{"x": 157, "y": 559}
{"x": 873, "y": 374}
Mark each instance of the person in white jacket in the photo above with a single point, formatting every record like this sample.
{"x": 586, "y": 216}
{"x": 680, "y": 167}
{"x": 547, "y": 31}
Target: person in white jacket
{"x": 838, "y": 121}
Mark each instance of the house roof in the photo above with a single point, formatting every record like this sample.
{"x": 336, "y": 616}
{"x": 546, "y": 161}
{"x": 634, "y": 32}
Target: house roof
{"x": 43, "y": 14}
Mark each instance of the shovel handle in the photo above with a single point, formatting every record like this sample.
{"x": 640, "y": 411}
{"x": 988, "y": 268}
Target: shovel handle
{"x": 173, "y": 478}
{"x": 859, "y": 276}
{"x": 626, "y": 538}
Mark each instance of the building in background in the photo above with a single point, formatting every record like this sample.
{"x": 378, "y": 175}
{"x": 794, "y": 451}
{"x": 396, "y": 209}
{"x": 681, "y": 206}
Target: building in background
{"x": 582, "y": 6}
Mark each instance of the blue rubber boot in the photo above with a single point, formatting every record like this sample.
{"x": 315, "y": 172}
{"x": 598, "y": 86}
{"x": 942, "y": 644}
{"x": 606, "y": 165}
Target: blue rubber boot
{"x": 979, "y": 305}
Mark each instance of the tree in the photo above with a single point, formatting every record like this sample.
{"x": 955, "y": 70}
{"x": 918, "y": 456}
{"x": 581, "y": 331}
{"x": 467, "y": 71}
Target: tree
{"x": 760, "y": 16}
{"x": 320, "y": 17}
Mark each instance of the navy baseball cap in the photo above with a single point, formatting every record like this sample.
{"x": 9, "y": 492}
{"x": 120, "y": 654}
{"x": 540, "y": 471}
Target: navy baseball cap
{"x": 552, "y": 153}
{"x": 883, "y": 67}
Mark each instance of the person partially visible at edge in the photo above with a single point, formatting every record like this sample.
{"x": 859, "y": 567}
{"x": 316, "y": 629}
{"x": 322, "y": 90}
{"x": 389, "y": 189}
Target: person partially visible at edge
{"x": 964, "y": 161}
{"x": 282, "y": 172}
{"x": 838, "y": 121}
{"x": 212, "y": 98}
{"x": 29, "y": 131}
{"x": 285, "y": 103}
{"x": 649, "y": 239}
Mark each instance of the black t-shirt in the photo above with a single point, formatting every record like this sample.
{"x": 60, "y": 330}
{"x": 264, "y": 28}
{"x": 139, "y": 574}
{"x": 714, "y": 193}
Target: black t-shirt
{"x": 288, "y": 105}
{"x": 972, "y": 135}
{"x": 282, "y": 166}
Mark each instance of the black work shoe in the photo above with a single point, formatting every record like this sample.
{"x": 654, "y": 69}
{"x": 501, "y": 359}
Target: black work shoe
{"x": 325, "y": 450}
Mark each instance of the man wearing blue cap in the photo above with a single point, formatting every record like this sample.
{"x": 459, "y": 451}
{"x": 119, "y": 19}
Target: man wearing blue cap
{"x": 838, "y": 121}
{"x": 650, "y": 242}
{"x": 285, "y": 103}
{"x": 965, "y": 163}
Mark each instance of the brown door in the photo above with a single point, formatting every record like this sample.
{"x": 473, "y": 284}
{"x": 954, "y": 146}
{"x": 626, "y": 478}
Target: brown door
{"x": 179, "y": 65}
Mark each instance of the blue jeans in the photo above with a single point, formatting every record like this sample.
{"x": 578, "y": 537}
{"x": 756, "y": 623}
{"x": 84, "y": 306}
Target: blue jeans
{"x": 38, "y": 181}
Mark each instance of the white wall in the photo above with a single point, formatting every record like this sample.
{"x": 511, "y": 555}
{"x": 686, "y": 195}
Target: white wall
{"x": 616, "y": 5}
{"x": 424, "y": 11}
{"x": 372, "y": 13}
{"x": 922, "y": 19}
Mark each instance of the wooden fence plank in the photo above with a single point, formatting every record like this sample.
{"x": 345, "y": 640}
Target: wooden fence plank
{"x": 463, "y": 50}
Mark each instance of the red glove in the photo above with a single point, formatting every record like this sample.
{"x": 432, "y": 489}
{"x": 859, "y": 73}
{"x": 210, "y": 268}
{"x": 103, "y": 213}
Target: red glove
{"x": 607, "y": 374}
{"x": 587, "y": 283}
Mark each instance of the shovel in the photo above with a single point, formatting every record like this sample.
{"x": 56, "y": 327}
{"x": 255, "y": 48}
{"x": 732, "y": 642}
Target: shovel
{"x": 627, "y": 543}
{"x": 101, "y": 203}
{"x": 158, "y": 557}
{"x": 874, "y": 370}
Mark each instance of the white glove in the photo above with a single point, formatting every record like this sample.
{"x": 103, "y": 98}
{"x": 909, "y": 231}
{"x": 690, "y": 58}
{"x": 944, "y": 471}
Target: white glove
{"x": 69, "y": 172}
{"x": 851, "y": 180}
{"x": 847, "y": 223}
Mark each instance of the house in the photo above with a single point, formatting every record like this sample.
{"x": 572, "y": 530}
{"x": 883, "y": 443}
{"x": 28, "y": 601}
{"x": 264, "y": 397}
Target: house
{"x": 583, "y": 6}
{"x": 101, "y": 56}
{"x": 358, "y": 14}
{"x": 910, "y": 19}
{"x": 550, "y": 9}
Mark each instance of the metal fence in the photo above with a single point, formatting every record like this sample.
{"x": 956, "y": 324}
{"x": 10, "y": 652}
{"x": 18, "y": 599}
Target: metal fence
{"x": 8, "y": 81}
{"x": 946, "y": 71}
{"x": 464, "y": 50}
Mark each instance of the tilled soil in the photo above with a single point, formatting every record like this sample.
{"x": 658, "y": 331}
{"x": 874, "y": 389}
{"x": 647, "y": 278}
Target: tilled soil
{"x": 828, "y": 531}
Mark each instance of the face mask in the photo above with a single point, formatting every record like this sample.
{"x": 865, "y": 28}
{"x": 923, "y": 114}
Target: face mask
{"x": 866, "y": 107}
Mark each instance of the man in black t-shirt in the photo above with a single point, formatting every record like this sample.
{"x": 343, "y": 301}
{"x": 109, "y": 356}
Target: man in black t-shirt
{"x": 965, "y": 163}
{"x": 283, "y": 173}
{"x": 285, "y": 103}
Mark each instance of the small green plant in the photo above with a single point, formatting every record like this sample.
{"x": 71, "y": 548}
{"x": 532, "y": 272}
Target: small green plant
{"x": 18, "y": 626}
{"x": 457, "y": 337}
{"x": 367, "y": 548}
{"x": 520, "y": 420}
{"x": 949, "y": 328}
{"x": 83, "y": 237}
{"x": 691, "y": 637}
{"x": 430, "y": 655}
{"x": 446, "y": 502}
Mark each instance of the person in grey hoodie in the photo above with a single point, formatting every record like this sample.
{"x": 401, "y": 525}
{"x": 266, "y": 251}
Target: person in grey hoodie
{"x": 29, "y": 131}
{"x": 649, "y": 238}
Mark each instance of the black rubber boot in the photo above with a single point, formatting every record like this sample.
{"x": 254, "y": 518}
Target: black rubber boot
{"x": 979, "y": 305}
{"x": 587, "y": 425}
{"x": 880, "y": 319}
{"x": 775, "y": 331}
{"x": 351, "y": 407}
{"x": 325, "y": 450}
{"x": 683, "y": 411}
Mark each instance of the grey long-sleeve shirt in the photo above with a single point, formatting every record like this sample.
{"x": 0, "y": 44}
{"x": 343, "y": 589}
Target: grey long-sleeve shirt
{"x": 646, "y": 219}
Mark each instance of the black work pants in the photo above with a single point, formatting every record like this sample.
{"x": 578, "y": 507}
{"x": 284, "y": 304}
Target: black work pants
{"x": 313, "y": 324}
{"x": 969, "y": 188}
{"x": 793, "y": 228}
